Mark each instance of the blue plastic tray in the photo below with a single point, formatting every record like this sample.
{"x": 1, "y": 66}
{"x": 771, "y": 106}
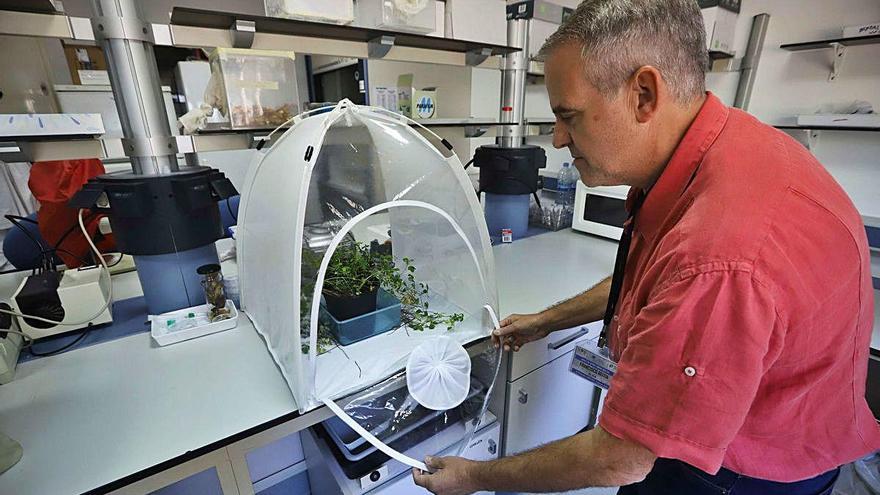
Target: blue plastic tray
{"x": 385, "y": 318}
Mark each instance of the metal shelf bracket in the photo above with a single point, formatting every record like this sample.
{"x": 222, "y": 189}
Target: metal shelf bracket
{"x": 477, "y": 57}
{"x": 472, "y": 131}
{"x": 242, "y": 32}
{"x": 837, "y": 64}
{"x": 380, "y": 46}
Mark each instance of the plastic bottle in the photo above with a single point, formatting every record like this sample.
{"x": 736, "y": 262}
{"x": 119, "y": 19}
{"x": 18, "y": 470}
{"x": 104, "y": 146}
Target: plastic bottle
{"x": 565, "y": 186}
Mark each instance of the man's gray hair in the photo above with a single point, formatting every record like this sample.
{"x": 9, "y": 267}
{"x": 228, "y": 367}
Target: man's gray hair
{"x": 619, "y": 36}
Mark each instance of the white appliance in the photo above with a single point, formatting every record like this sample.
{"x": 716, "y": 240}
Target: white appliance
{"x": 600, "y": 210}
{"x": 99, "y": 99}
{"x": 70, "y": 296}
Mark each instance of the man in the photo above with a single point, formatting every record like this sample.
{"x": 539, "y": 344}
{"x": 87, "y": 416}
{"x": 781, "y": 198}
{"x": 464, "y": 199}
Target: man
{"x": 744, "y": 320}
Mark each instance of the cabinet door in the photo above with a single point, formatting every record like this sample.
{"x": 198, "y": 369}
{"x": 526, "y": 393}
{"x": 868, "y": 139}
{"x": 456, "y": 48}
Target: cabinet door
{"x": 207, "y": 483}
{"x": 545, "y": 405}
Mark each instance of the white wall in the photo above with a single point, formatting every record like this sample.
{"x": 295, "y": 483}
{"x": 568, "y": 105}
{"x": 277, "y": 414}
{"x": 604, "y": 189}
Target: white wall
{"x": 792, "y": 83}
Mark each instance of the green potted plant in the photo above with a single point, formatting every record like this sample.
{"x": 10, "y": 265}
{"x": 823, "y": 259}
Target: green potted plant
{"x": 355, "y": 274}
{"x": 353, "y": 278}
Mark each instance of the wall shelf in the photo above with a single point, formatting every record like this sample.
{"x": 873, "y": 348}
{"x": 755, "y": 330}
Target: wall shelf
{"x": 827, "y": 128}
{"x": 35, "y": 6}
{"x": 829, "y": 43}
{"x": 197, "y": 27}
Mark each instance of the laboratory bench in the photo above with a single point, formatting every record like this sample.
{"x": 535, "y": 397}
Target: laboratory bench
{"x": 128, "y": 415}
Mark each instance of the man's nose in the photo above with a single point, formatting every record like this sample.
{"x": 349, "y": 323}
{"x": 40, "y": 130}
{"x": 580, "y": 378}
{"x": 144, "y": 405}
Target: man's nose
{"x": 561, "y": 137}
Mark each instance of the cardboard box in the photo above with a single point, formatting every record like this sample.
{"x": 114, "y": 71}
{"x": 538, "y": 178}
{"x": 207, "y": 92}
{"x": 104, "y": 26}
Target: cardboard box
{"x": 87, "y": 64}
{"x": 863, "y": 30}
{"x": 419, "y": 104}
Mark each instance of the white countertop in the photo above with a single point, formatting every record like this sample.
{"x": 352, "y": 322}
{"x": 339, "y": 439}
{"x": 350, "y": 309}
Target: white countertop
{"x": 94, "y": 415}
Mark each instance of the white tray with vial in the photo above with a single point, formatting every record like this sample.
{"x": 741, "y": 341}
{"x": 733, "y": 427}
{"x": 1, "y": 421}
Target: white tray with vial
{"x": 189, "y": 323}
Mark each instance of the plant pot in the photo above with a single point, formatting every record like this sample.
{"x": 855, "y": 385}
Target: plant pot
{"x": 346, "y": 308}
{"x": 385, "y": 318}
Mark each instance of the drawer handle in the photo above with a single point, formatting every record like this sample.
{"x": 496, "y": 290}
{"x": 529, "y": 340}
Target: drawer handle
{"x": 554, "y": 346}
{"x": 523, "y": 397}
{"x": 493, "y": 447}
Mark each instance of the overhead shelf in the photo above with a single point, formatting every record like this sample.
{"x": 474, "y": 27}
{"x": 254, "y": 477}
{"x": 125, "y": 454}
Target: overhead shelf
{"x": 830, "y": 43}
{"x": 196, "y": 27}
{"x": 827, "y": 128}
{"x": 35, "y": 6}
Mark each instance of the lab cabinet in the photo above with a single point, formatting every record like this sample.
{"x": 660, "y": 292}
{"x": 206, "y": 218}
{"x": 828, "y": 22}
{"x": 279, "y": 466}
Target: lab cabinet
{"x": 204, "y": 483}
{"x": 274, "y": 457}
{"x": 547, "y": 404}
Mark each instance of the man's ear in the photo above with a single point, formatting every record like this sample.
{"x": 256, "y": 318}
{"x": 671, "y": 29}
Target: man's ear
{"x": 645, "y": 84}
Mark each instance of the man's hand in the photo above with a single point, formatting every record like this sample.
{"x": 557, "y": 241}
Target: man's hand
{"x": 517, "y": 330}
{"x": 451, "y": 476}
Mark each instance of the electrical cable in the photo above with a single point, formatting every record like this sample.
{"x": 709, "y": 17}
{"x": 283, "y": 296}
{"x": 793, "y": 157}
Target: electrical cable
{"x": 229, "y": 208}
{"x": 107, "y": 302}
{"x": 61, "y": 349}
{"x": 468, "y": 164}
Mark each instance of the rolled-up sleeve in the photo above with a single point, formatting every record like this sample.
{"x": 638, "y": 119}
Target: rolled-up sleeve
{"x": 693, "y": 360}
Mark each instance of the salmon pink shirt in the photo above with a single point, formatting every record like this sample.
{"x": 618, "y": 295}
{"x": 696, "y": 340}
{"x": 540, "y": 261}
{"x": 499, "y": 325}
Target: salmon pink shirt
{"x": 743, "y": 329}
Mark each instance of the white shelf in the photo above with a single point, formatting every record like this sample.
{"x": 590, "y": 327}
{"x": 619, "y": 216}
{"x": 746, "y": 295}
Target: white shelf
{"x": 194, "y": 28}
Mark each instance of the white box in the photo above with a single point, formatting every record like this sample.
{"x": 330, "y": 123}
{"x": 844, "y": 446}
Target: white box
{"x": 870, "y": 120}
{"x": 51, "y": 124}
{"x": 163, "y": 336}
{"x": 385, "y": 97}
{"x": 720, "y": 29}
{"x": 484, "y": 21}
{"x": 414, "y": 16}
{"x": 331, "y": 11}
{"x": 863, "y": 30}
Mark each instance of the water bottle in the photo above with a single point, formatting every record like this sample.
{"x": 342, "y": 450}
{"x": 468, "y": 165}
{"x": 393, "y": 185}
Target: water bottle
{"x": 565, "y": 185}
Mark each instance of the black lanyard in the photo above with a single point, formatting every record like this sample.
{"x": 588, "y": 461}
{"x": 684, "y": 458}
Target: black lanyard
{"x": 620, "y": 268}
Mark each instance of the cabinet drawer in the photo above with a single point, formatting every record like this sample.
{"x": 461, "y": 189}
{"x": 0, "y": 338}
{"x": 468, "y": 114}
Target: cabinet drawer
{"x": 536, "y": 354}
{"x": 545, "y": 405}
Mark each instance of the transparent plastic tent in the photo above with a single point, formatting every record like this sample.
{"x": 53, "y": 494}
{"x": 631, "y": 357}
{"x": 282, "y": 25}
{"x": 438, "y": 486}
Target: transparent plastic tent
{"x": 349, "y": 177}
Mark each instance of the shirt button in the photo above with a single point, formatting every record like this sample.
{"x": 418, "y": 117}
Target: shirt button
{"x": 690, "y": 371}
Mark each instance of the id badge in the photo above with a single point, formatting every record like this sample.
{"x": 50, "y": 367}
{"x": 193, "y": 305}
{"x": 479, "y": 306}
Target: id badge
{"x": 593, "y": 363}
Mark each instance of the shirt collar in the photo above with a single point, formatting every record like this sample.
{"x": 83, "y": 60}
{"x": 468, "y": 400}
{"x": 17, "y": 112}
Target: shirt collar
{"x": 685, "y": 161}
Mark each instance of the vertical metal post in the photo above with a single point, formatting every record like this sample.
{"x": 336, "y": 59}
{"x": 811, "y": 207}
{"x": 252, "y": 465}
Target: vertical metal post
{"x": 513, "y": 84}
{"x": 750, "y": 61}
{"x": 127, "y": 42}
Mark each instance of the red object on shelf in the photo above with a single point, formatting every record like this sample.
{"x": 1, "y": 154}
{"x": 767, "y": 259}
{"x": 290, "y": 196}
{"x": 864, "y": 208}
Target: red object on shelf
{"x": 53, "y": 183}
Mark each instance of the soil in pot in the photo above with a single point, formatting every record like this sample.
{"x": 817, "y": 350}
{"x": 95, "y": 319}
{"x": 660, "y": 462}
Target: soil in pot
{"x": 346, "y": 308}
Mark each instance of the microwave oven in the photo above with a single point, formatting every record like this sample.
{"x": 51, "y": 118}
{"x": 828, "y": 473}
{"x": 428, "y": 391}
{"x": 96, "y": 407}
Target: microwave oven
{"x": 600, "y": 210}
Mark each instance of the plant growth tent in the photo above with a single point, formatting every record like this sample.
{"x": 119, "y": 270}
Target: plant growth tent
{"x": 353, "y": 174}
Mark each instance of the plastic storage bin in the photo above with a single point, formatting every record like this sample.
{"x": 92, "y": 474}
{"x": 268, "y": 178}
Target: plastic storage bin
{"x": 385, "y": 318}
{"x": 415, "y": 16}
{"x": 253, "y": 88}
{"x": 332, "y": 11}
